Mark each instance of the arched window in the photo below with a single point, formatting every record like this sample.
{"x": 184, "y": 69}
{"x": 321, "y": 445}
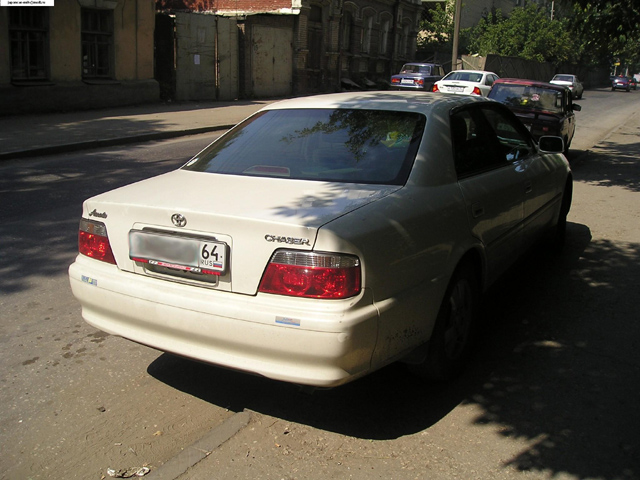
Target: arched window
{"x": 367, "y": 28}
{"x": 347, "y": 27}
{"x": 385, "y": 26}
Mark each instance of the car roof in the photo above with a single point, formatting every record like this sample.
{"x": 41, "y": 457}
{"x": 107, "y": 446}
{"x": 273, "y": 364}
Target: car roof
{"x": 531, "y": 83}
{"x": 379, "y": 100}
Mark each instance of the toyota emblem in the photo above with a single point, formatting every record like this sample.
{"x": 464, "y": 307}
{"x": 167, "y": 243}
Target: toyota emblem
{"x": 178, "y": 220}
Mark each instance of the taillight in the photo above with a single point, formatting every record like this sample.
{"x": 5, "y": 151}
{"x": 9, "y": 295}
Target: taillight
{"x": 93, "y": 241}
{"x": 476, "y": 91}
{"x": 435, "y": 88}
{"x": 312, "y": 275}
{"x": 420, "y": 81}
{"x": 395, "y": 80}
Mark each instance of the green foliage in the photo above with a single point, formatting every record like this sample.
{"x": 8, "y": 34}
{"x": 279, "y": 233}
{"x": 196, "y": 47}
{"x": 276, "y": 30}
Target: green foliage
{"x": 527, "y": 33}
{"x": 437, "y": 27}
{"x": 607, "y": 30}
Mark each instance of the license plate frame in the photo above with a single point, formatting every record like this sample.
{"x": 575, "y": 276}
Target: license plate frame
{"x": 199, "y": 255}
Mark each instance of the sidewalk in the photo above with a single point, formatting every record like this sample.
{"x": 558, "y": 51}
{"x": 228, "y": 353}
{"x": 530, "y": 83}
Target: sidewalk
{"x": 44, "y": 134}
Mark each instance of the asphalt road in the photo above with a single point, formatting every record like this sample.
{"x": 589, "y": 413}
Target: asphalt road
{"x": 552, "y": 391}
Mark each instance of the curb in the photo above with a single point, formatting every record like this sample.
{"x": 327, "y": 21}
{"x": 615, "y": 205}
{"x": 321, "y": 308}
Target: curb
{"x": 201, "y": 449}
{"x": 90, "y": 144}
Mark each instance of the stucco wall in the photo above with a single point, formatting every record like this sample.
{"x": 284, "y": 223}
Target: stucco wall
{"x": 64, "y": 89}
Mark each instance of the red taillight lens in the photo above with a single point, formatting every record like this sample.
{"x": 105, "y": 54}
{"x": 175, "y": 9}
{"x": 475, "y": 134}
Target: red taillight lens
{"x": 93, "y": 241}
{"x": 476, "y": 91}
{"x": 435, "y": 88}
{"x": 395, "y": 80}
{"x": 312, "y": 275}
{"x": 420, "y": 81}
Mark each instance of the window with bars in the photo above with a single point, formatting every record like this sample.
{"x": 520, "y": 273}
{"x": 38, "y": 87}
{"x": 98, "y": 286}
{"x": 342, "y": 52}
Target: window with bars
{"x": 97, "y": 43}
{"x": 29, "y": 40}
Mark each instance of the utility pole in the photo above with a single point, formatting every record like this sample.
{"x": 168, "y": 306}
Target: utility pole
{"x": 456, "y": 34}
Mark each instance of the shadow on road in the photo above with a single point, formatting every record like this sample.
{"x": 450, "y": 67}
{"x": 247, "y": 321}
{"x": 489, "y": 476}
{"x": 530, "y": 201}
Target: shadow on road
{"x": 556, "y": 365}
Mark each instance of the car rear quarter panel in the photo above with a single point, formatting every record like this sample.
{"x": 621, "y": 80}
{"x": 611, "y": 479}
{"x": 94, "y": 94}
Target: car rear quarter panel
{"x": 410, "y": 243}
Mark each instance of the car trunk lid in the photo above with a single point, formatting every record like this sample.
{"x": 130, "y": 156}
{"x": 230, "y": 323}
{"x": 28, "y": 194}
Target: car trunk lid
{"x": 248, "y": 218}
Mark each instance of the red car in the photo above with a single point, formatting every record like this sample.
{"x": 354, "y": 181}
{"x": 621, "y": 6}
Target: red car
{"x": 544, "y": 108}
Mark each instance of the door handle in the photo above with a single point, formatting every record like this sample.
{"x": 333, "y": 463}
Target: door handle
{"x": 528, "y": 188}
{"x": 477, "y": 210}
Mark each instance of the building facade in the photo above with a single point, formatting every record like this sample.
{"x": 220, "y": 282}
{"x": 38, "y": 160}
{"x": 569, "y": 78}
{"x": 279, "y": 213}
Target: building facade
{"x": 326, "y": 45}
{"x": 79, "y": 53}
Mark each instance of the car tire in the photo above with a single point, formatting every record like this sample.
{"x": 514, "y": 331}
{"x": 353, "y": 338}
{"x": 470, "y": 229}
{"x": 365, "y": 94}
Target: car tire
{"x": 453, "y": 333}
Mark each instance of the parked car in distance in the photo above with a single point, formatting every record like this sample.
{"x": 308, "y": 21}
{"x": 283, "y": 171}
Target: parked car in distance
{"x": 544, "y": 108}
{"x": 325, "y": 237}
{"x": 633, "y": 84}
{"x": 570, "y": 81}
{"x": 620, "y": 83}
{"x": 417, "y": 76}
{"x": 466, "y": 82}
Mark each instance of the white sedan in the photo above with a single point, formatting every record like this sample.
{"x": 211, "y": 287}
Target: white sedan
{"x": 325, "y": 237}
{"x": 466, "y": 82}
{"x": 570, "y": 81}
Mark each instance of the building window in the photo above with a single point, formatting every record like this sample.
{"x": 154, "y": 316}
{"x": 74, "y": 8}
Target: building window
{"x": 384, "y": 36}
{"x": 367, "y": 27}
{"x": 97, "y": 43}
{"x": 404, "y": 41}
{"x": 346, "y": 31}
{"x": 29, "y": 34}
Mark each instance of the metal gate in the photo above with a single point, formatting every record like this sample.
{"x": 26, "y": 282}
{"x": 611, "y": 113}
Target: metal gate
{"x": 271, "y": 61}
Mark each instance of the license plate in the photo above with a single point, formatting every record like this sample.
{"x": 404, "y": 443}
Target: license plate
{"x": 196, "y": 255}
{"x": 456, "y": 89}
{"x": 406, "y": 81}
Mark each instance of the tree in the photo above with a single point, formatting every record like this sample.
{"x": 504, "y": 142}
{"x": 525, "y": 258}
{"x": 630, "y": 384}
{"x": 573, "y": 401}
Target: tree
{"x": 606, "y": 30}
{"x": 436, "y": 27}
{"x": 527, "y": 33}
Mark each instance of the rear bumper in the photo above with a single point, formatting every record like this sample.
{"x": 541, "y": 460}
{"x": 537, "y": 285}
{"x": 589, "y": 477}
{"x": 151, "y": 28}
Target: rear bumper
{"x": 304, "y": 341}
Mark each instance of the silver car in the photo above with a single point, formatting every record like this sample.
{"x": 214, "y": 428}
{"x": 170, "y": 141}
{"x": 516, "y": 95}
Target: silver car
{"x": 325, "y": 237}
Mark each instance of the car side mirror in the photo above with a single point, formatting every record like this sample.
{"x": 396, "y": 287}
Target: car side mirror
{"x": 577, "y": 107}
{"x": 551, "y": 144}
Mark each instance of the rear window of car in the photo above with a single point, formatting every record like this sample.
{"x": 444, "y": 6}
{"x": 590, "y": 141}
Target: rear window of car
{"x": 528, "y": 96}
{"x": 424, "y": 69}
{"x": 464, "y": 76}
{"x": 342, "y": 145}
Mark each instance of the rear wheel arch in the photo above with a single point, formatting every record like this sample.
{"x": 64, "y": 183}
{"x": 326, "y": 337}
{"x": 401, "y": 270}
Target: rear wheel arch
{"x": 444, "y": 356}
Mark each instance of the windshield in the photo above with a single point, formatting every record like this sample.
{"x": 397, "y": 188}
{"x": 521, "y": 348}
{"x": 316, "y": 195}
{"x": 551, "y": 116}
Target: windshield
{"x": 527, "y": 96}
{"x": 563, "y": 78}
{"x": 343, "y": 145}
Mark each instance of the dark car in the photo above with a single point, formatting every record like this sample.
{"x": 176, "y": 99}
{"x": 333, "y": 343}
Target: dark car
{"x": 417, "y": 76}
{"x": 633, "y": 83}
{"x": 544, "y": 108}
{"x": 620, "y": 83}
